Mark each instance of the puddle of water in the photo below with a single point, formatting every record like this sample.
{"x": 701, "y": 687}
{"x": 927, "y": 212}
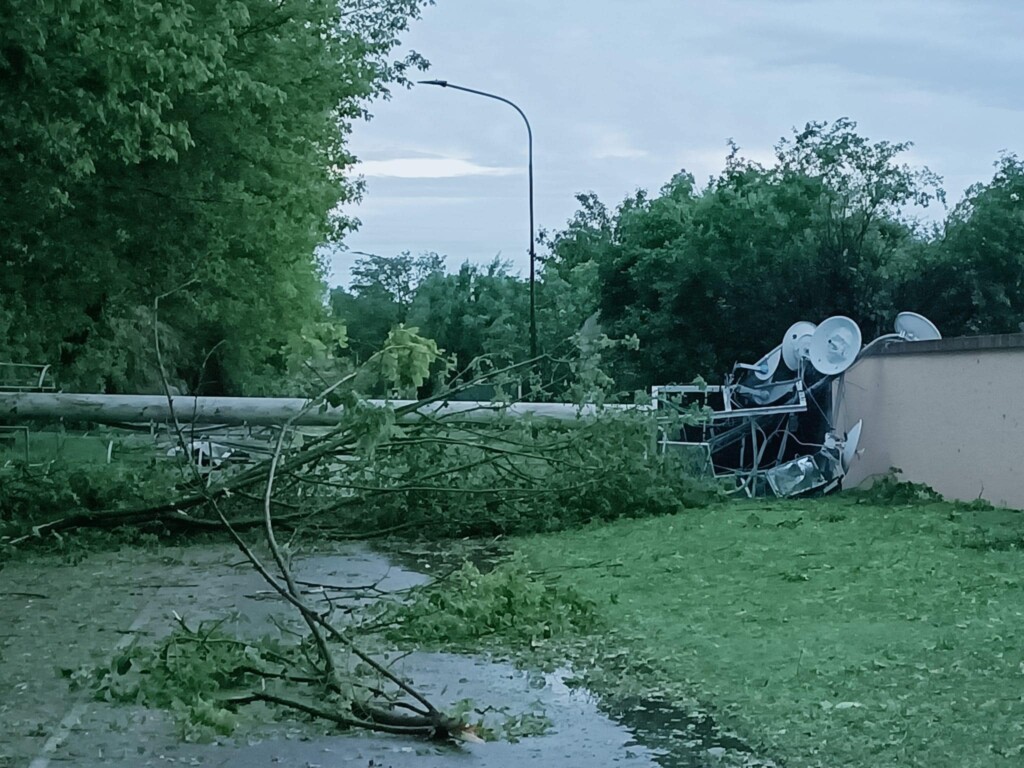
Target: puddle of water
{"x": 579, "y": 737}
{"x": 434, "y": 560}
{"x": 356, "y": 568}
{"x": 686, "y": 739}
{"x": 676, "y": 737}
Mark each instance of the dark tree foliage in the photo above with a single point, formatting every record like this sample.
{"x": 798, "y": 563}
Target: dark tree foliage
{"x": 397, "y": 277}
{"x": 382, "y": 291}
{"x": 480, "y": 310}
{"x": 147, "y": 145}
{"x": 973, "y": 279}
{"x": 708, "y": 276}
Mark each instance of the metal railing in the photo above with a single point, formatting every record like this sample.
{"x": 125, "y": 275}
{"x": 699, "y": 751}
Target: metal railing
{"x": 25, "y": 377}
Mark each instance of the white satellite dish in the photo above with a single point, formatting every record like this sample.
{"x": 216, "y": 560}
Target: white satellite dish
{"x": 835, "y": 345}
{"x": 765, "y": 368}
{"x": 850, "y": 448}
{"x": 914, "y": 327}
{"x": 795, "y": 344}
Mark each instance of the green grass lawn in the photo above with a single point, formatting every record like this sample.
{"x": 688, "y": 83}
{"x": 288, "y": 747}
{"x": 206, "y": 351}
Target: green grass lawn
{"x": 830, "y": 632}
{"x": 55, "y": 445}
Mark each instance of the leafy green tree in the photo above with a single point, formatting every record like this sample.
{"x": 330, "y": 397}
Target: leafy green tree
{"x": 569, "y": 289}
{"x": 367, "y": 316}
{"x": 382, "y": 292}
{"x": 151, "y": 145}
{"x": 865, "y": 196}
{"x": 709, "y": 276}
{"x": 566, "y": 299}
{"x": 397, "y": 277}
{"x": 476, "y": 311}
{"x": 479, "y": 310}
{"x": 972, "y": 280}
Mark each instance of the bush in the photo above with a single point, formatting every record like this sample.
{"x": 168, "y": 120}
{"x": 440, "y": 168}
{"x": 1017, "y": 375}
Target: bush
{"x": 509, "y": 603}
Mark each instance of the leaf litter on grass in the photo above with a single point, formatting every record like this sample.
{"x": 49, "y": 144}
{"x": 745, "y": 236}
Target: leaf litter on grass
{"x": 866, "y": 634}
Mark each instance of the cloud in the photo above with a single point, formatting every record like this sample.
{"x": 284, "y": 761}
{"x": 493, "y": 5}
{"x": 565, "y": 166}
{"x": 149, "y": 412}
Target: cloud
{"x": 612, "y": 144}
{"x": 618, "y": 151}
{"x": 430, "y": 168}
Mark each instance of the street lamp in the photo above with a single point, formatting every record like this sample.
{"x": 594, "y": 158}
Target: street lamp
{"x": 533, "y": 254}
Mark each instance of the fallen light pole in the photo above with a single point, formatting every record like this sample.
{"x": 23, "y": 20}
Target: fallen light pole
{"x": 769, "y": 430}
{"x": 262, "y": 411}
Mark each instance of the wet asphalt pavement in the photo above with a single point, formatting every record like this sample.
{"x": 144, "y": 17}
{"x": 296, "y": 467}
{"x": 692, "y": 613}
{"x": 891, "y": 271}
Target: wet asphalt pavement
{"x": 55, "y": 615}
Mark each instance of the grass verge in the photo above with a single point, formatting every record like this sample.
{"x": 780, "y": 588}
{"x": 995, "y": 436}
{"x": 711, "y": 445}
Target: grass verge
{"x": 830, "y": 632}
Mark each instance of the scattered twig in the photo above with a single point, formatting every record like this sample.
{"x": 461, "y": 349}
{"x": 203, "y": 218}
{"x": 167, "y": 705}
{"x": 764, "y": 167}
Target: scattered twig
{"x": 31, "y": 595}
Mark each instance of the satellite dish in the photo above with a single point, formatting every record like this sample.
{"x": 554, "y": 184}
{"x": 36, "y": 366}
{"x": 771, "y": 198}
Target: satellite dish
{"x": 914, "y": 327}
{"x": 795, "y": 344}
{"x": 850, "y": 449}
{"x": 835, "y": 345}
{"x": 765, "y": 367}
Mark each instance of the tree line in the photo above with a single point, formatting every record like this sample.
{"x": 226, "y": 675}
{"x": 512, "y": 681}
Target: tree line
{"x": 707, "y": 275}
{"x": 197, "y": 153}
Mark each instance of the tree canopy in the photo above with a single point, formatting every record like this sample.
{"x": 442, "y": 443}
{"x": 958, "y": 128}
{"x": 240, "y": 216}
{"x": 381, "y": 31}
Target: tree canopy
{"x": 973, "y": 278}
{"x": 707, "y": 276}
{"x": 382, "y": 291}
{"x": 196, "y": 153}
{"x": 154, "y": 145}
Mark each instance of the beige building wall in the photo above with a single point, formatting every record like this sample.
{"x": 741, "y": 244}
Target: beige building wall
{"x": 948, "y": 413}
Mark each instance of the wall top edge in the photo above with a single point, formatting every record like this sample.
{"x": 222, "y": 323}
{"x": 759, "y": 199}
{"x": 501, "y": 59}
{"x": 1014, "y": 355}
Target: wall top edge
{"x": 996, "y": 341}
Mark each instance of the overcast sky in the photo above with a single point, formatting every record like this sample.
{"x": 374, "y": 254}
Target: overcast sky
{"x": 623, "y": 94}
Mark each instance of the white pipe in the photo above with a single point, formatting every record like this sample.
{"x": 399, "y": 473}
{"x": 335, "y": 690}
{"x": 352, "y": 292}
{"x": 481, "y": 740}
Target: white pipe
{"x": 258, "y": 411}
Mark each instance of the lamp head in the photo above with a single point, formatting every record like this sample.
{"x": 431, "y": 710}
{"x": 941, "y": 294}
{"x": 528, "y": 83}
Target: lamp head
{"x": 442, "y": 83}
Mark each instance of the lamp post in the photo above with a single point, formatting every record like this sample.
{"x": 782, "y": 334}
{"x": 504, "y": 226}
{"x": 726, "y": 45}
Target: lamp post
{"x": 533, "y": 255}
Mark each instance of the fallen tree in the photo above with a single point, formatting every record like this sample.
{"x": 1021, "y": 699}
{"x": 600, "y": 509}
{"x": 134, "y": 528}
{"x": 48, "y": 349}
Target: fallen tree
{"x": 379, "y": 471}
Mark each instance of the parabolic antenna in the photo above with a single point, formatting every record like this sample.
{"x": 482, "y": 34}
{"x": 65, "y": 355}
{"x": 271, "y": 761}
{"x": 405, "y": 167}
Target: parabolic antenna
{"x": 765, "y": 368}
{"x": 835, "y": 345}
{"x": 795, "y": 343}
{"x": 914, "y": 327}
{"x": 850, "y": 449}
